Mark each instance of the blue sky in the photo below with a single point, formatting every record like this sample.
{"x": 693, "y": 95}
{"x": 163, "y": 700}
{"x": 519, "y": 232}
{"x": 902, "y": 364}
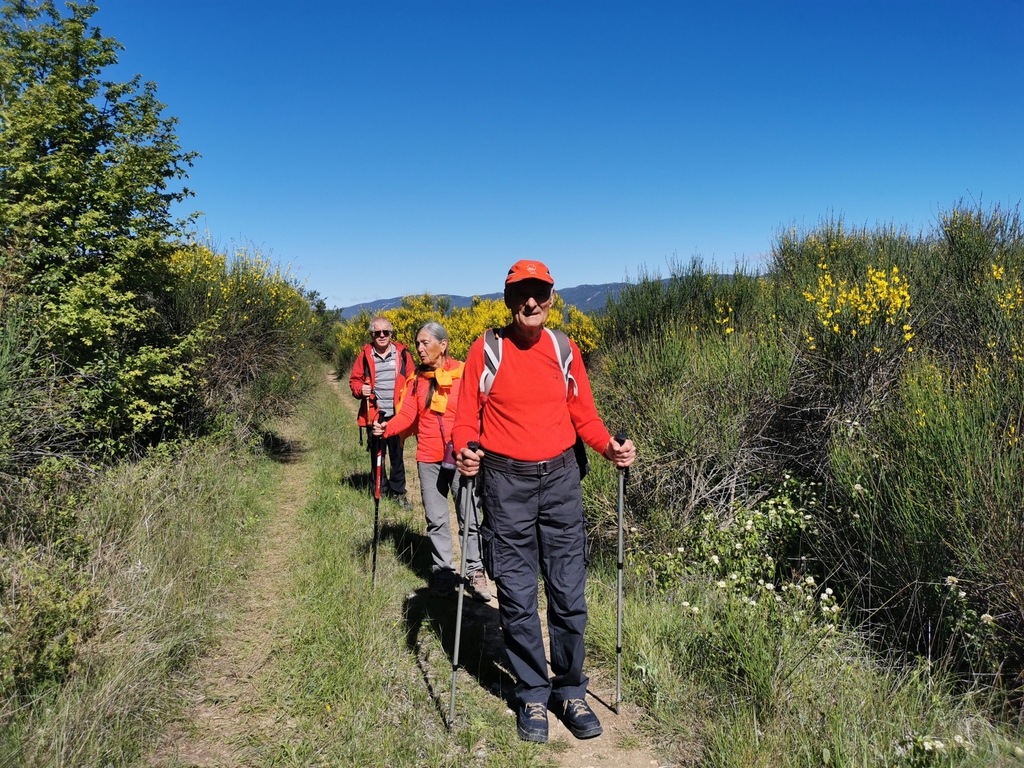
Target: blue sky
{"x": 390, "y": 148}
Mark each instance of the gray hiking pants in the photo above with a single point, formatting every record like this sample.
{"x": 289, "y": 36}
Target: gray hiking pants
{"x": 535, "y": 524}
{"x": 436, "y": 483}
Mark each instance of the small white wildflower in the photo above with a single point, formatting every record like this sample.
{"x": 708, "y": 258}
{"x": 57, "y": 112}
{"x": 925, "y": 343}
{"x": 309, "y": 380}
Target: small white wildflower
{"x": 685, "y": 604}
{"x": 809, "y": 580}
{"x": 734, "y": 576}
{"x": 680, "y": 550}
{"x": 807, "y": 517}
{"x": 714, "y": 559}
{"x": 987, "y": 618}
{"x": 738, "y": 546}
{"x": 835, "y": 609}
{"x": 951, "y": 580}
{"x": 856, "y": 516}
{"x": 858, "y": 488}
{"x": 720, "y": 584}
{"x": 769, "y": 587}
{"x": 958, "y": 739}
{"x": 694, "y": 609}
{"x": 828, "y": 591}
{"x": 961, "y": 594}
{"x": 749, "y": 525}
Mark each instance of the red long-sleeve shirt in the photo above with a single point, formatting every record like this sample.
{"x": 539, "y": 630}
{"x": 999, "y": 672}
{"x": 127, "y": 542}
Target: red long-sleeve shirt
{"x": 527, "y": 416}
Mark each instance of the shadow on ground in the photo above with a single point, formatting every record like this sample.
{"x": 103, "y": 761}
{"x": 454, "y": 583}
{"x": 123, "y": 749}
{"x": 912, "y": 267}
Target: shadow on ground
{"x": 280, "y": 449}
{"x": 481, "y": 650}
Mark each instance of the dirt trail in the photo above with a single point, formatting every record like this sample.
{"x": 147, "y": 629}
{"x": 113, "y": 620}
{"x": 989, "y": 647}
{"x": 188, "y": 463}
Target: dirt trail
{"x": 220, "y": 716}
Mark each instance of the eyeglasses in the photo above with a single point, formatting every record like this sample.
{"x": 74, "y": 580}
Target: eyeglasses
{"x": 380, "y": 333}
{"x": 521, "y": 293}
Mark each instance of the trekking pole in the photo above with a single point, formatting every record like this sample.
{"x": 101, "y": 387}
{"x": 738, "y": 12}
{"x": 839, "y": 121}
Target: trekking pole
{"x": 620, "y": 438}
{"x": 474, "y": 446}
{"x": 376, "y": 445}
{"x": 368, "y": 436}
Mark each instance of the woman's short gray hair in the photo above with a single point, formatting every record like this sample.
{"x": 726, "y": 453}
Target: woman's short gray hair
{"x": 436, "y": 330}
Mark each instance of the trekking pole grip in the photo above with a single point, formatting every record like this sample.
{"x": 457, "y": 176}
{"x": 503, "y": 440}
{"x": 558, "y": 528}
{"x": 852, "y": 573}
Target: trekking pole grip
{"x": 474, "y": 446}
{"x": 620, "y": 438}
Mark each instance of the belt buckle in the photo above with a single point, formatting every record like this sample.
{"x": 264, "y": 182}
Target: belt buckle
{"x": 542, "y": 468}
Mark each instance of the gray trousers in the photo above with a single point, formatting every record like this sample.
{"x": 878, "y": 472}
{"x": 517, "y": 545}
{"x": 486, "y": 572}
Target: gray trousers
{"x": 436, "y": 483}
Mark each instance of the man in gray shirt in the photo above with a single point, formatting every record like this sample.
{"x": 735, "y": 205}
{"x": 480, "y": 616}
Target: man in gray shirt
{"x": 378, "y": 379}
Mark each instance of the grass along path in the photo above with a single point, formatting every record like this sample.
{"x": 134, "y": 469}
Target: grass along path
{"x": 224, "y": 719}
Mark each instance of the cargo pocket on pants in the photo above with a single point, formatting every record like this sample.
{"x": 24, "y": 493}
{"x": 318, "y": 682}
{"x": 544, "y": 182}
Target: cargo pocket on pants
{"x": 487, "y": 552}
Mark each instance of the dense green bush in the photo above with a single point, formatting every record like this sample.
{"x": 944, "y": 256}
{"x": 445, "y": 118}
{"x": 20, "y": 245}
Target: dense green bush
{"x": 47, "y": 608}
{"x": 114, "y": 337}
{"x": 883, "y": 367}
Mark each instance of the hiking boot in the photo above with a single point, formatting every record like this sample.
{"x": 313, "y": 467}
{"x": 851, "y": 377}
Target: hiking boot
{"x": 402, "y": 500}
{"x": 579, "y": 718}
{"x": 532, "y": 722}
{"x": 443, "y": 584}
{"x": 478, "y": 586}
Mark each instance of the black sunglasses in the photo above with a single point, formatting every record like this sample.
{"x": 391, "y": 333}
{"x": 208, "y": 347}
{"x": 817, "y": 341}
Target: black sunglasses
{"x": 380, "y": 333}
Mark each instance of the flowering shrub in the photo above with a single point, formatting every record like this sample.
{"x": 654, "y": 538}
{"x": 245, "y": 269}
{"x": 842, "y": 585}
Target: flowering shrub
{"x": 247, "y": 318}
{"x": 852, "y": 310}
{"x": 754, "y": 555}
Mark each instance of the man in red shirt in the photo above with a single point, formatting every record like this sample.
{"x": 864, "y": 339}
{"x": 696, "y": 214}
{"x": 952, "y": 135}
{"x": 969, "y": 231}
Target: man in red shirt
{"x": 533, "y": 506}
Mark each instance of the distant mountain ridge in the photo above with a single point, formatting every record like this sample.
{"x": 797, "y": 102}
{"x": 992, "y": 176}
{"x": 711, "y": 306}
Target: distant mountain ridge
{"x": 586, "y": 298}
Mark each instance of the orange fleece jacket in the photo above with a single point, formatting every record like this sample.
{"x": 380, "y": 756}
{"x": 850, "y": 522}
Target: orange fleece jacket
{"x": 415, "y": 414}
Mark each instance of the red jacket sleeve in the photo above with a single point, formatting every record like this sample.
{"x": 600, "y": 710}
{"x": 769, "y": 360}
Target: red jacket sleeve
{"x": 408, "y": 412}
{"x": 359, "y": 375}
{"x": 583, "y": 409}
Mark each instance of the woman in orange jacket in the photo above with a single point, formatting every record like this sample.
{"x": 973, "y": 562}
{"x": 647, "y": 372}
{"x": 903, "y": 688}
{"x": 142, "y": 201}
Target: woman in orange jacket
{"x": 428, "y": 410}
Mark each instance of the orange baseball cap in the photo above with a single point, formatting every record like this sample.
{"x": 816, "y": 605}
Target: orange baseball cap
{"x": 527, "y": 269}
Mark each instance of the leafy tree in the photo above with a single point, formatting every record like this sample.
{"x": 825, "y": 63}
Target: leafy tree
{"x": 86, "y": 165}
{"x": 89, "y": 171}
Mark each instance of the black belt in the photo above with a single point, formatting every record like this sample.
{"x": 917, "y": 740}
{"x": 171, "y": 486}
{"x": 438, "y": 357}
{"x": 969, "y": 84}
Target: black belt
{"x": 509, "y": 466}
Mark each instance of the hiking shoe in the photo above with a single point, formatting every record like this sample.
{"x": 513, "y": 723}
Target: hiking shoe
{"x": 478, "y": 586}
{"x": 443, "y": 584}
{"x": 579, "y": 718}
{"x": 403, "y": 501}
{"x": 532, "y": 722}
